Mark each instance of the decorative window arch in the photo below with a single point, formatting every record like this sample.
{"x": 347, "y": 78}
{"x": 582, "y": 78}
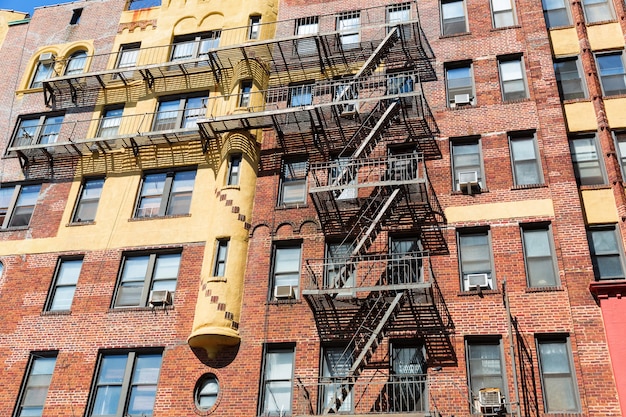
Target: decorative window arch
{"x": 76, "y": 62}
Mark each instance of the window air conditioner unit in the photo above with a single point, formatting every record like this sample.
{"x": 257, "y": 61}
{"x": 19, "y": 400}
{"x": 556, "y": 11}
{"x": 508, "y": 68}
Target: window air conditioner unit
{"x": 348, "y": 110}
{"x": 477, "y": 281}
{"x": 468, "y": 178}
{"x": 462, "y": 99}
{"x": 46, "y": 58}
{"x": 284, "y": 291}
{"x": 160, "y": 298}
{"x": 489, "y": 397}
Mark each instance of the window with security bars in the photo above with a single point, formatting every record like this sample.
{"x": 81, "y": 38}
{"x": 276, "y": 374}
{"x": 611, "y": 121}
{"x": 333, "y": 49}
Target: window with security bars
{"x": 407, "y": 381}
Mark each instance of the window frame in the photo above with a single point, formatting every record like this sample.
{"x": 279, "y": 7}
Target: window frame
{"x": 197, "y": 42}
{"x": 275, "y": 271}
{"x": 40, "y": 130}
{"x": 76, "y": 14}
{"x": 462, "y": 234}
{"x": 571, "y": 375}
{"x": 453, "y": 32}
{"x": 596, "y": 163}
{"x": 555, "y": 11}
{"x": 309, "y": 25}
{"x": 514, "y": 137}
{"x": 13, "y": 205}
{"x": 185, "y": 114}
{"x": 350, "y": 32}
{"x": 149, "y": 279}
{"x": 245, "y": 93}
{"x": 620, "y": 140}
{"x": 399, "y": 15}
{"x": 56, "y": 283}
{"x": 605, "y": 7}
{"x": 457, "y": 143}
{"x": 327, "y": 374}
{"x": 531, "y": 281}
{"x": 603, "y": 77}
{"x": 467, "y": 88}
{"x": 43, "y": 71}
{"x": 106, "y": 117}
{"x": 82, "y": 199}
{"x": 132, "y": 50}
{"x": 269, "y": 349}
{"x": 221, "y": 257}
{"x": 166, "y": 195}
{"x": 517, "y": 94}
{"x": 616, "y": 252}
{"x": 28, "y": 373}
{"x": 126, "y": 385}
{"x": 560, "y": 81}
{"x": 254, "y": 26}
{"x": 495, "y": 13}
{"x": 408, "y": 393}
{"x": 293, "y": 180}
{"x": 233, "y": 176}
{"x": 77, "y": 56}
{"x": 471, "y": 376}
{"x": 213, "y": 394}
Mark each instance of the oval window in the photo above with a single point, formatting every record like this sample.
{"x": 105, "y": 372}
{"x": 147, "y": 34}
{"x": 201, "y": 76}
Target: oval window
{"x": 206, "y": 392}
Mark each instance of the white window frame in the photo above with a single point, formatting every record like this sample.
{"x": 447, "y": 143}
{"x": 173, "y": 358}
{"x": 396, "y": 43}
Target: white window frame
{"x": 151, "y": 279}
{"x": 309, "y": 26}
{"x": 293, "y": 178}
{"x": 457, "y": 167}
{"x": 286, "y": 269}
{"x": 179, "y": 113}
{"x": 464, "y": 87}
{"x": 110, "y": 122}
{"x": 193, "y": 46}
{"x": 234, "y": 169}
{"x": 221, "y": 257}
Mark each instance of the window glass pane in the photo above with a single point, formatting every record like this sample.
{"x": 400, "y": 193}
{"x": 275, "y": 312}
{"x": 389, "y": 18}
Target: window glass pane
{"x": 151, "y": 195}
{"x": 475, "y": 254}
{"x": 611, "y": 68}
{"x": 76, "y": 63}
{"x": 181, "y": 192}
{"x": 207, "y": 394}
{"x": 597, "y": 11}
{"x": 525, "y": 164}
{"x": 539, "y": 258}
{"x": 36, "y": 388}
{"x": 167, "y": 115}
{"x": 586, "y": 163}
{"x": 277, "y": 381}
{"x": 556, "y": 13}
{"x": 112, "y": 369}
{"x": 111, "y": 121}
{"x": 132, "y": 281}
{"x": 25, "y": 205}
{"x": 63, "y": 297}
{"x": 485, "y": 366}
{"x": 42, "y": 73}
{"x": 453, "y": 13}
{"x": 558, "y": 381}
{"x": 569, "y": 80}
{"x": 287, "y": 266}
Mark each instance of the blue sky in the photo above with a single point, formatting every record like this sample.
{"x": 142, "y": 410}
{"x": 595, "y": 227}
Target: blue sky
{"x": 27, "y": 5}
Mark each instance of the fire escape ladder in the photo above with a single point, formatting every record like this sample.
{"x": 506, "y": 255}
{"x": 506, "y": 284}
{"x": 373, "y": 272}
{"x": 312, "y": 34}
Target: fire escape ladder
{"x": 367, "y": 145}
{"x": 365, "y": 342}
{"x": 368, "y": 235}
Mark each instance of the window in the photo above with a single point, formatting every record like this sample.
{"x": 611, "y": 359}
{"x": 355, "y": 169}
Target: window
{"x": 254, "y": 27}
{"x": 34, "y": 389}
{"x": 460, "y": 85}
{"x": 207, "y": 391}
{"x": 587, "y": 163}
{"x": 606, "y": 252}
{"x": 475, "y": 259}
{"x": 143, "y": 4}
{"x": 76, "y": 63}
{"x": 180, "y": 113}
{"x": 407, "y": 391}
{"x": 484, "y": 363}
{"x": 502, "y": 13}
{"x": 346, "y": 91}
{"x": 307, "y": 26}
{"x": 301, "y": 95}
{"x": 336, "y": 363}
{"x": 620, "y": 139}
{"x": 400, "y": 84}
{"x": 597, "y": 11}
{"x": 467, "y": 164}
{"x": 76, "y": 13}
{"x": 219, "y": 268}
{"x": 37, "y": 130}
{"x": 127, "y": 57}
{"x": 526, "y": 167}
{"x": 348, "y": 25}
{"x": 339, "y": 271}
{"x": 277, "y": 381}
{"x": 44, "y": 70}
{"x": 453, "y": 17}
{"x": 234, "y": 169}
{"x": 88, "y": 201}
{"x": 539, "y": 256}
{"x": 286, "y": 270}
{"x": 195, "y": 46}
{"x": 166, "y": 194}
{"x": 142, "y": 274}
{"x": 612, "y": 74}
{"x": 512, "y": 79}
{"x": 558, "y": 382}
{"x": 110, "y": 122}
{"x": 125, "y": 384}
{"x": 17, "y": 204}
{"x": 293, "y": 182}
{"x": 245, "y": 93}
{"x": 344, "y": 172}
{"x": 64, "y": 284}
{"x": 569, "y": 78}
{"x": 399, "y": 14}
{"x": 556, "y": 13}
{"x": 406, "y": 263}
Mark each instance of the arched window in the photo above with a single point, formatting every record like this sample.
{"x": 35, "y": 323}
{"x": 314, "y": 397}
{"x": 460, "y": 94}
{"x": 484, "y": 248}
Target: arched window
{"x": 76, "y": 63}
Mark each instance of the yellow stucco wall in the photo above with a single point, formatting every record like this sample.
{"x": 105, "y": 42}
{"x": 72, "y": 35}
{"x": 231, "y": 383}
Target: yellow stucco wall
{"x": 605, "y": 36}
{"x": 564, "y": 42}
{"x": 580, "y": 116}
{"x": 7, "y": 16}
{"x": 599, "y": 206}
{"x": 615, "y": 113}
{"x": 494, "y": 211}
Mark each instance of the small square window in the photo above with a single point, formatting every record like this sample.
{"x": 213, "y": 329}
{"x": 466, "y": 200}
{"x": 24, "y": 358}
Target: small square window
{"x": 588, "y": 166}
{"x": 556, "y": 13}
{"x": 141, "y": 274}
{"x": 35, "y": 387}
{"x": 525, "y": 161}
{"x": 539, "y": 256}
{"x": 88, "y": 201}
{"x": 286, "y": 272}
{"x": 502, "y": 13}
{"x": 64, "y": 285}
{"x": 569, "y": 78}
{"x": 293, "y": 183}
{"x": 166, "y": 194}
{"x": 453, "y": 19}
{"x": 76, "y": 13}
{"x": 475, "y": 258}
{"x": 512, "y": 79}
